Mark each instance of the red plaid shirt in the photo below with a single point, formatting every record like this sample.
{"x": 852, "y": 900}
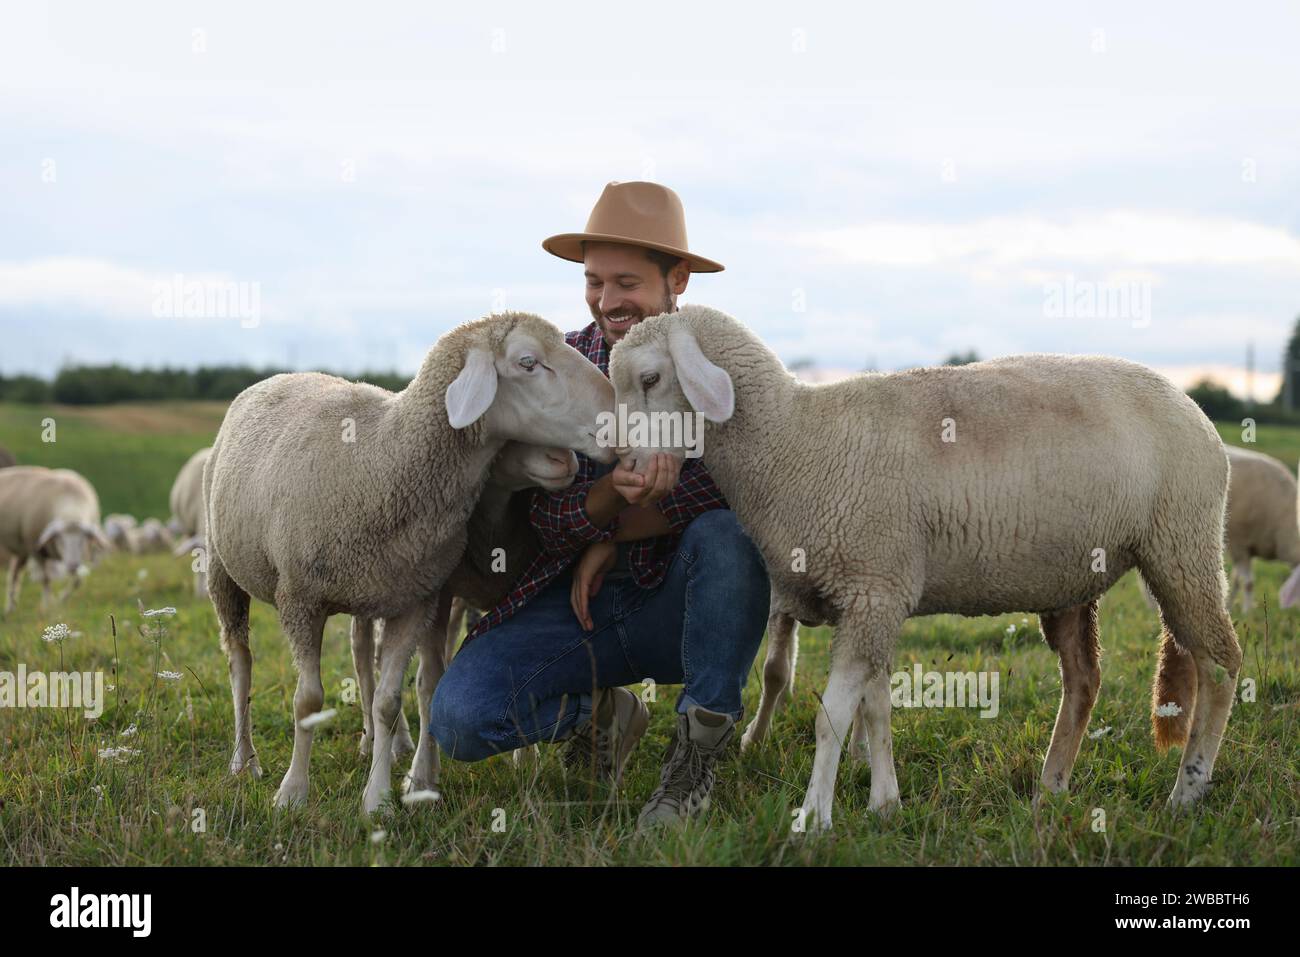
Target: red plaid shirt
{"x": 564, "y": 529}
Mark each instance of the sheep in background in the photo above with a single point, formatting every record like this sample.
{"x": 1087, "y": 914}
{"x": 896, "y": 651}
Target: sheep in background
{"x": 329, "y": 497}
{"x": 187, "y": 510}
{"x": 116, "y": 527}
{"x": 1030, "y": 483}
{"x": 51, "y": 515}
{"x": 499, "y": 522}
{"x": 1261, "y": 523}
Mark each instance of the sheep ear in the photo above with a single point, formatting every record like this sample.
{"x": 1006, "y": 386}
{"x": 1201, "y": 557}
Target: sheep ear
{"x": 474, "y": 389}
{"x": 1290, "y": 592}
{"x": 707, "y": 387}
{"x": 97, "y": 533}
{"x": 50, "y": 530}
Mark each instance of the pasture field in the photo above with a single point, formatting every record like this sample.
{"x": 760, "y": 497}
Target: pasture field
{"x": 966, "y": 781}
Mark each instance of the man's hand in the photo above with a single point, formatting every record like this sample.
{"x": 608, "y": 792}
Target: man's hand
{"x": 588, "y": 575}
{"x": 659, "y": 479}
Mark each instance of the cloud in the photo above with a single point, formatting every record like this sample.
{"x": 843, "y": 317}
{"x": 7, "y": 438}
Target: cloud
{"x": 989, "y": 247}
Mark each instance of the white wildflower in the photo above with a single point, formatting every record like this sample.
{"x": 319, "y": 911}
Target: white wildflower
{"x": 142, "y": 574}
{"x": 378, "y": 836}
{"x": 56, "y": 633}
{"x": 1094, "y": 735}
{"x": 170, "y": 675}
{"x": 129, "y": 732}
{"x": 320, "y": 717}
{"x": 83, "y": 571}
{"x": 1011, "y": 629}
{"x": 108, "y": 754}
{"x": 1170, "y": 709}
{"x": 168, "y": 611}
{"x": 418, "y": 797}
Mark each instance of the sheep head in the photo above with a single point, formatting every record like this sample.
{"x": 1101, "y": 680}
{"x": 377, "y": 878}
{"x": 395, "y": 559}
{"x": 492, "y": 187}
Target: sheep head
{"x": 70, "y": 542}
{"x": 662, "y": 379}
{"x": 527, "y": 384}
{"x": 519, "y": 466}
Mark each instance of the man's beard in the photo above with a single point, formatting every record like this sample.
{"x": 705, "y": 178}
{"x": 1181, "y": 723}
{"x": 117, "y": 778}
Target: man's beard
{"x": 622, "y": 329}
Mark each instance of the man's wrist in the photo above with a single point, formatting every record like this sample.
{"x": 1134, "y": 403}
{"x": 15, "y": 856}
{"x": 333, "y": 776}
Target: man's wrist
{"x": 603, "y": 502}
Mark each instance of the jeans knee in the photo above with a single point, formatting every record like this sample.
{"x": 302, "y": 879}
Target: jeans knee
{"x": 719, "y": 533}
{"x": 457, "y": 725}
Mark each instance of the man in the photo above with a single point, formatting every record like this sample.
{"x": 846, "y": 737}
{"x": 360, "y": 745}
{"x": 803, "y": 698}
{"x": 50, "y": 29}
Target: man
{"x": 640, "y": 577}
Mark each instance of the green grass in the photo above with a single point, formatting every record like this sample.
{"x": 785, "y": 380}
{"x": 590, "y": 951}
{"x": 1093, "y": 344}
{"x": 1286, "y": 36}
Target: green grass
{"x": 130, "y": 452}
{"x": 966, "y": 782}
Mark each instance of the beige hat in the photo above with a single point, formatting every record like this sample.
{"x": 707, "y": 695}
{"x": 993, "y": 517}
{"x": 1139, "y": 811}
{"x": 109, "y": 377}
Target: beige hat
{"x": 639, "y": 214}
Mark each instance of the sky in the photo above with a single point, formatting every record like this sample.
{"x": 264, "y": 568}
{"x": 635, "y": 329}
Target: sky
{"x": 887, "y": 184}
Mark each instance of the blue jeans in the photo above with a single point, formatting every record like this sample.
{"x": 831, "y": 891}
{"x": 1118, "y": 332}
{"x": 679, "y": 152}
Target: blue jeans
{"x": 531, "y": 678}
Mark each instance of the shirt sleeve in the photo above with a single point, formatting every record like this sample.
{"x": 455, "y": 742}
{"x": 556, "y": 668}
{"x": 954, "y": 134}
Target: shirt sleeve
{"x": 561, "y": 521}
{"x": 694, "y": 495}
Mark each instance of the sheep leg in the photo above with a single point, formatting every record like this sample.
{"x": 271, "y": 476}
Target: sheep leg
{"x": 402, "y": 743}
{"x": 859, "y": 737}
{"x": 303, "y": 627}
{"x": 1247, "y": 576}
{"x": 846, "y": 687}
{"x": 455, "y": 622}
{"x": 363, "y": 661}
{"x": 874, "y": 714}
{"x": 1072, "y": 634}
{"x": 778, "y": 669}
{"x": 15, "y": 574}
{"x": 400, "y": 638}
{"x": 1191, "y": 595}
{"x": 425, "y": 767}
{"x": 231, "y": 604}
{"x": 1216, "y": 688}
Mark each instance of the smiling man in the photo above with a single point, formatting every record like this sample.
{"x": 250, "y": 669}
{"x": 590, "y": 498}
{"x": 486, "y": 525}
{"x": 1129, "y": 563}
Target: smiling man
{"x": 640, "y": 577}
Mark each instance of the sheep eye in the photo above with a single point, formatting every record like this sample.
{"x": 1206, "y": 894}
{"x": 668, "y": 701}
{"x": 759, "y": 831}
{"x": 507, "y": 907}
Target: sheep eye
{"x": 649, "y": 379}
{"x": 527, "y": 363}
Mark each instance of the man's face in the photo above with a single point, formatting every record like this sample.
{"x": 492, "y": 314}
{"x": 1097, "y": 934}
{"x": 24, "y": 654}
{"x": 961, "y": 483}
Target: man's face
{"x": 624, "y": 286}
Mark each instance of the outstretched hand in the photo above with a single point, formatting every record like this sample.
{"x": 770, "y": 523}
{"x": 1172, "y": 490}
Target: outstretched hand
{"x": 660, "y": 477}
{"x": 588, "y": 576}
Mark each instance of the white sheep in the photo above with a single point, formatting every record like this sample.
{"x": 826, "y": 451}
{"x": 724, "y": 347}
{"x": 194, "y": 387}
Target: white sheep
{"x": 51, "y": 515}
{"x": 327, "y": 497}
{"x": 1025, "y": 484}
{"x": 500, "y": 544}
{"x": 115, "y": 528}
{"x": 1261, "y": 523}
{"x": 186, "y": 502}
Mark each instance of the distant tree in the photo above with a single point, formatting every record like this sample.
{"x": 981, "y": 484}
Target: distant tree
{"x": 962, "y": 359}
{"x": 1289, "y": 395}
{"x": 1216, "y": 401}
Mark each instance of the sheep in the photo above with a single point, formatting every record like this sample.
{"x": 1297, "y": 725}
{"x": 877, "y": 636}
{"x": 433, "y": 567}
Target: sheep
{"x": 128, "y": 536}
{"x": 500, "y": 544}
{"x": 116, "y": 527}
{"x": 51, "y": 515}
{"x": 1261, "y": 523}
{"x": 186, "y": 501}
{"x": 330, "y": 497}
{"x": 1026, "y": 484}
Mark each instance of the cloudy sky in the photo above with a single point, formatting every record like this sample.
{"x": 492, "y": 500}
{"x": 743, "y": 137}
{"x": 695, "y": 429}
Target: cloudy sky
{"x": 886, "y": 185}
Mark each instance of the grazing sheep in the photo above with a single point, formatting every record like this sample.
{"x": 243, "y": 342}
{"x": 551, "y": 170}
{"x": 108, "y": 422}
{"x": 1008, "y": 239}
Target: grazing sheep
{"x": 187, "y": 510}
{"x": 1025, "y": 484}
{"x": 1261, "y": 523}
{"x": 51, "y": 515}
{"x": 115, "y": 528}
{"x": 6, "y": 458}
{"x": 330, "y": 497}
{"x": 500, "y": 544}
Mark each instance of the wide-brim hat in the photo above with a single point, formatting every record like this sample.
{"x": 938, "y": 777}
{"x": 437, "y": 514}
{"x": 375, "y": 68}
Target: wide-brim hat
{"x": 637, "y": 214}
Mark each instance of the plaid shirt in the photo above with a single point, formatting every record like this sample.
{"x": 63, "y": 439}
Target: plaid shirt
{"x": 564, "y": 530}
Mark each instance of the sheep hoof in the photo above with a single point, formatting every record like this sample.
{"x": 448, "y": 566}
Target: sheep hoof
{"x": 753, "y": 735}
{"x": 239, "y": 765}
{"x": 367, "y": 745}
{"x": 885, "y": 807}
{"x": 291, "y": 794}
{"x": 402, "y": 747}
{"x": 815, "y": 821}
{"x": 374, "y": 799}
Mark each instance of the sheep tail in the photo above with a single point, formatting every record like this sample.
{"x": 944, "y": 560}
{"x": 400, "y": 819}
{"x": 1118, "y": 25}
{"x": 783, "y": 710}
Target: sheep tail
{"x": 1174, "y": 690}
